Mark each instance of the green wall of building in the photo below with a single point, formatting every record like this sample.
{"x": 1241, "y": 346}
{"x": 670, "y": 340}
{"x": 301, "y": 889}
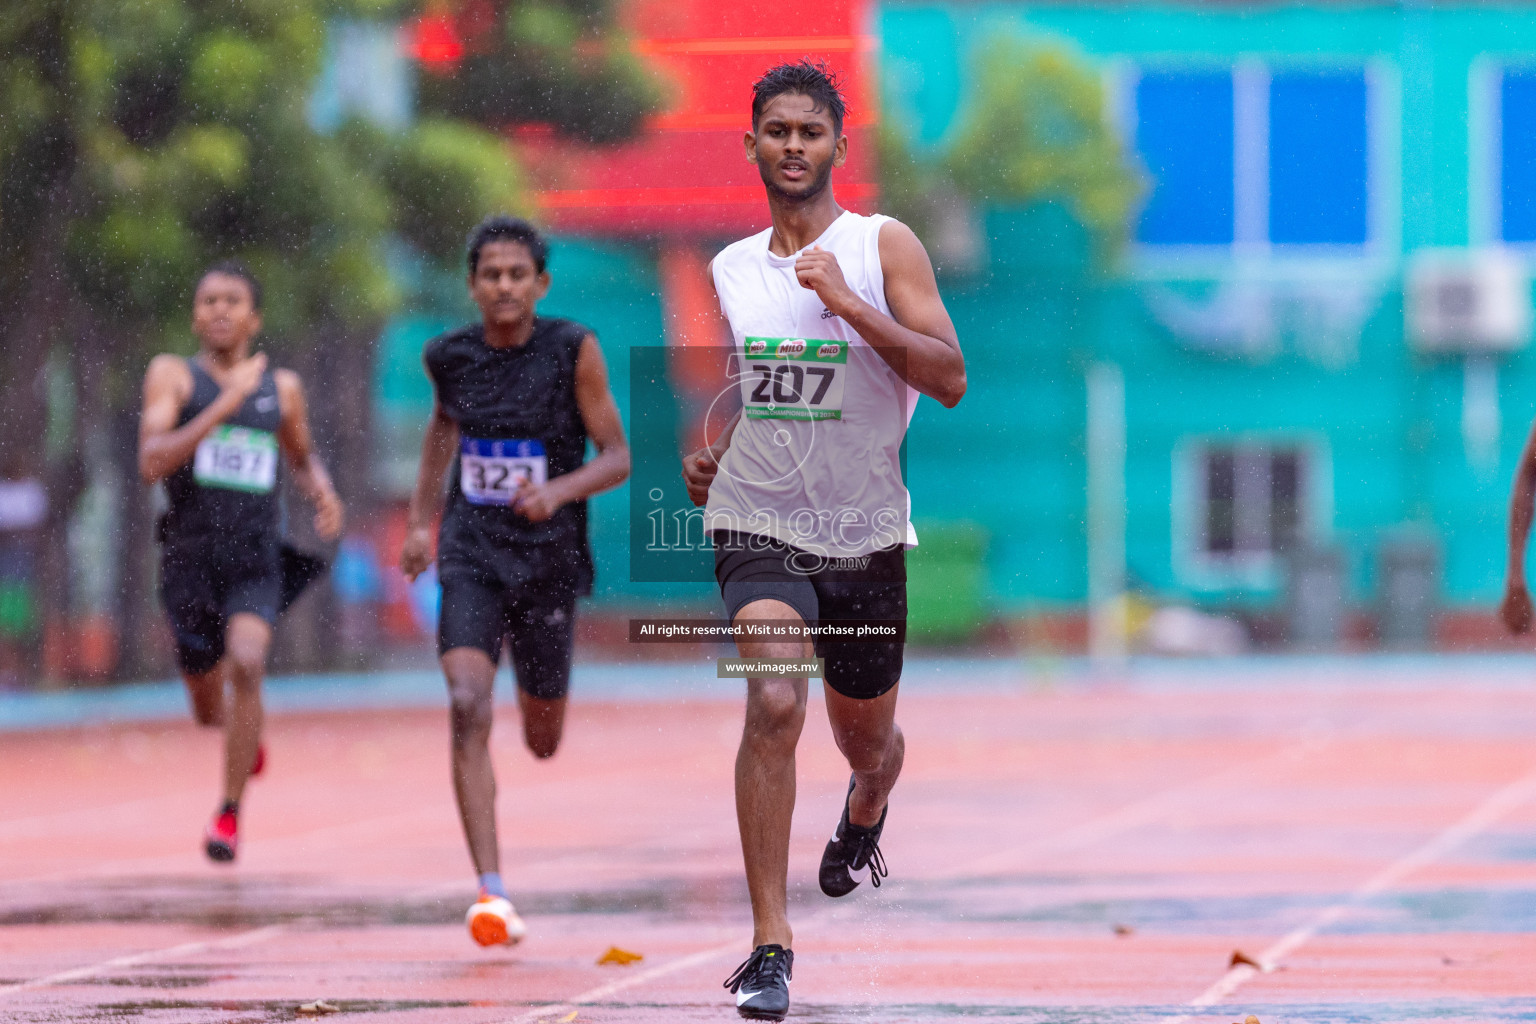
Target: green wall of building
{"x": 1389, "y": 421}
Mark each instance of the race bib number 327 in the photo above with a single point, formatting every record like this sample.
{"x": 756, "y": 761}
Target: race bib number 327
{"x": 793, "y": 378}
{"x": 238, "y": 459}
{"x": 492, "y": 472}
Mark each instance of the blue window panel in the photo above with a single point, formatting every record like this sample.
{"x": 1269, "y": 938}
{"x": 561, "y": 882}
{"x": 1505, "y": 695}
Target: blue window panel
{"x": 1184, "y": 134}
{"x": 1517, "y": 162}
{"x": 1319, "y": 185}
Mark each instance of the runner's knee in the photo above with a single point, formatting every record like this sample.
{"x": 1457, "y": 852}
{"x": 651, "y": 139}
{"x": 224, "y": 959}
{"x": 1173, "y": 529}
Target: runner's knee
{"x": 775, "y": 712}
{"x": 469, "y": 713}
{"x": 867, "y": 753}
{"x": 246, "y": 665}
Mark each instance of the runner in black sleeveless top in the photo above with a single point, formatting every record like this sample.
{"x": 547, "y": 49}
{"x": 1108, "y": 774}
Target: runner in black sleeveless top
{"x": 517, "y": 398}
{"x": 212, "y": 429}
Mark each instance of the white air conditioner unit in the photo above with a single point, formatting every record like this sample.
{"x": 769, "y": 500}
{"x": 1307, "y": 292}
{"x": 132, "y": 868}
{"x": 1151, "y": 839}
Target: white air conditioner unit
{"x": 1461, "y": 301}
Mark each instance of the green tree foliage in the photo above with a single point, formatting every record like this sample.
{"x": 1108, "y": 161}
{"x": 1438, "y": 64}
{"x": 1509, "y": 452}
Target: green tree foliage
{"x": 556, "y": 62}
{"x": 1034, "y": 130}
{"x": 142, "y": 139}
{"x": 447, "y": 175}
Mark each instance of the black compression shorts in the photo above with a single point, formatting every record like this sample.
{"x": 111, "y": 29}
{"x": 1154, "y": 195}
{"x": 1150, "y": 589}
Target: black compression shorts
{"x": 866, "y": 588}
{"x": 537, "y": 623}
{"x": 203, "y": 584}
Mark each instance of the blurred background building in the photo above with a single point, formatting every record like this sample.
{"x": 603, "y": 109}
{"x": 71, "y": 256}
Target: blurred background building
{"x": 1244, "y": 292}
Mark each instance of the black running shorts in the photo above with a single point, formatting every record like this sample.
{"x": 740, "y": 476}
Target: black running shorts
{"x": 202, "y": 585}
{"x": 537, "y": 623}
{"x": 871, "y": 589}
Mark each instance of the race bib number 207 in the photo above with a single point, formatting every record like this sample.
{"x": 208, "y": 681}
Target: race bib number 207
{"x": 793, "y": 378}
{"x": 492, "y": 472}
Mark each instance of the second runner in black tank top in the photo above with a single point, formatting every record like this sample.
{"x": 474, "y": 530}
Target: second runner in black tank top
{"x": 518, "y": 421}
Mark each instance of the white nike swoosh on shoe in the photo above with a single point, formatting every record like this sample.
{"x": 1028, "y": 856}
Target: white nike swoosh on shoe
{"x": 742, "y": 995}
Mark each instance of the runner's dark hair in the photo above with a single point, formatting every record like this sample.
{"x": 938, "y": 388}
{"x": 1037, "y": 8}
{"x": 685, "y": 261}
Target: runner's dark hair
{"x": 500, "y": 228}
{"x": 234, "y": 268}
{"x": 806, "y": 77}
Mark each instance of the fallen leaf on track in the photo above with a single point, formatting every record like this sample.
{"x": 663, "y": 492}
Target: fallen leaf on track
{"x": 1239, "y": 957}
{"x": 615, "y": 955}
{"x": 318, "y": 1008}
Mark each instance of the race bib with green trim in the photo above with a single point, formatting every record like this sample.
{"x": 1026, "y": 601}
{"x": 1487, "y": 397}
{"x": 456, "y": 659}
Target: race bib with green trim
{"x": 793, "y": 378}
{"x": 238, "y": 459}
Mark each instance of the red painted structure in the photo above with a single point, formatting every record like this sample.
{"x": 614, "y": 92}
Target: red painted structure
{"x": 685, "y": 182}
{"x": 686, "y": 176}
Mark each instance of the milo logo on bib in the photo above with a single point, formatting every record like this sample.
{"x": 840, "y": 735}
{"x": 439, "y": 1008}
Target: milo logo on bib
{"x": 238, "y": 459}
{"x": 793, "y": 378}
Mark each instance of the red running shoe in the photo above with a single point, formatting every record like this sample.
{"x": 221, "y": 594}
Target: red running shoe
{"x": 261, "y": 760}
{"x": 493, "y": 922}
{"x": 220, "y": 840}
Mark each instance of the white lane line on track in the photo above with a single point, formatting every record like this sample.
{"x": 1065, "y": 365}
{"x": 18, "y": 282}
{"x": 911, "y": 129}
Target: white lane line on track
{"x": 133, "y": 960}
{"x": 42, "y": 825}
{"x": 1485, "y": 814}
{"x": 1133, "y": 815}
{"x": 107, "y": 869}
{"x": 1094, "y": 830}
{"x": 703, "y": 956}
{"x": 593, "y": 995}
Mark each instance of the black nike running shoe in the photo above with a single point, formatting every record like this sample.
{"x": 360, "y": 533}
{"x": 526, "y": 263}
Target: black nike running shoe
{"x": 762, "y": 983}
{"x": 853, "y": 848}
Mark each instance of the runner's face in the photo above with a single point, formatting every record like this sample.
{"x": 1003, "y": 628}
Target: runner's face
{"x": 794, "y": 146}
{"x": 506, "y": 285}
{"x": 223, "y": 315}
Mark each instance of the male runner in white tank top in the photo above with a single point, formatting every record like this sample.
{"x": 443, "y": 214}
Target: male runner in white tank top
{"x": 838, "y": 326}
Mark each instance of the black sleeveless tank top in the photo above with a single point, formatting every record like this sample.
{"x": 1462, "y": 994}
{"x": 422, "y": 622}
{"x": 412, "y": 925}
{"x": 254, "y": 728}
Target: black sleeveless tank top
{"x": 517, "y": 416}
{"x": 228, "y": 492}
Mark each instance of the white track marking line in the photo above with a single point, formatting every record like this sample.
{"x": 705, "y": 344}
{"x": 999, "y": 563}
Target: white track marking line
{"x": 135, "y": 959}
{"x": 38, "y": 825}
{"x": 110, "y": 869}
{"x": 1485, "y": 814}
{"x": 593, "y": 995}
{"x": 1134, "y": 815}
{"x": 1094, "y": 830}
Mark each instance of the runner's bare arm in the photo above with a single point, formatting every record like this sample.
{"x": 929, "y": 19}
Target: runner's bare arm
{"x": 918, "y": 339}
{"x": 1515, "y": 608}
{"x": 699, "y": 468}
{"x": 600, "y": 416}
{"x": 437, "y": 448}
{"x": 309, "y": 474}
{"x": 163, "y": 446}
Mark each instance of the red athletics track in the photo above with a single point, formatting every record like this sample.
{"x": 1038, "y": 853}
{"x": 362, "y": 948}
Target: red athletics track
{"x": 1070, "y": 852}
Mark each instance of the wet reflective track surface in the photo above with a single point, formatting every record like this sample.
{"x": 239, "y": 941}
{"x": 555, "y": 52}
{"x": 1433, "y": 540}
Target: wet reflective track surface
{"x": 1062, "y": 848}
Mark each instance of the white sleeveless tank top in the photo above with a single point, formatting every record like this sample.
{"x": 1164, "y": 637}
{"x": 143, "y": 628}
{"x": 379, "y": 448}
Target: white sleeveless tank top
{"x": 815, "y": 461}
